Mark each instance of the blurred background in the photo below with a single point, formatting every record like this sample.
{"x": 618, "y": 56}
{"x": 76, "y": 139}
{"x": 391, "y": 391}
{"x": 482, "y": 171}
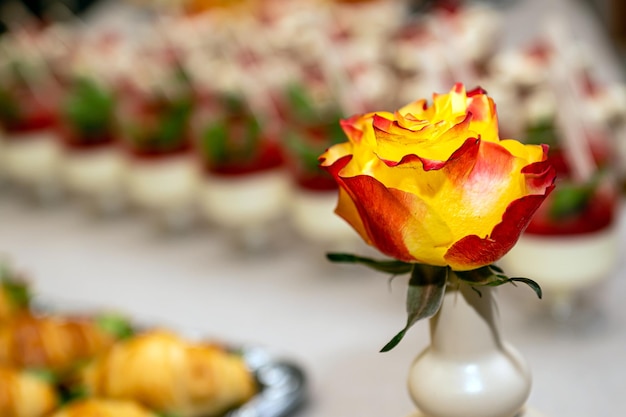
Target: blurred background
{"x": 159, "y": 159}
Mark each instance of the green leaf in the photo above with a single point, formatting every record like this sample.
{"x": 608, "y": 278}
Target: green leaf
{"x": 424, "y": 297}
{"x": 116, "y": 325}
{"x": 391, "y": 266}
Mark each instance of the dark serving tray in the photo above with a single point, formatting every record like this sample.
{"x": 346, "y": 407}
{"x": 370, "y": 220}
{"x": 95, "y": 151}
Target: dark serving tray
{"x": 282, "y": 383}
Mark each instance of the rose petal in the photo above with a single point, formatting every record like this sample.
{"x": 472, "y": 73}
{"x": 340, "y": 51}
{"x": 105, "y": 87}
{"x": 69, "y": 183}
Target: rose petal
{"x": 473, "y": 252}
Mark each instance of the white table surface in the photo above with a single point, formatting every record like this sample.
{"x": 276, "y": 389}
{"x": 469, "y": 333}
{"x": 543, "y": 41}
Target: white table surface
{"x": 330, "y": 319}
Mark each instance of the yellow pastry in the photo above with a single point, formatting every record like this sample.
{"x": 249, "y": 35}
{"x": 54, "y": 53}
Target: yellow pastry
{"x": 171, "y": 375}
{"x": 95, "y": 407}
{"x": 51, "y": 342}
{"x": 25, "y": 395}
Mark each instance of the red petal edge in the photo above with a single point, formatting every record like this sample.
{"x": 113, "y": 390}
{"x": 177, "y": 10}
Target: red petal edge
{"x": 380, "y": 216}
{"x": 473, "y": 252}
{"x": 471, "y": 145}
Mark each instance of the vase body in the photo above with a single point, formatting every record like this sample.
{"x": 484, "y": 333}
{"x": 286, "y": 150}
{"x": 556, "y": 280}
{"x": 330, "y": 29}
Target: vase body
{"x": 468, "y": 370}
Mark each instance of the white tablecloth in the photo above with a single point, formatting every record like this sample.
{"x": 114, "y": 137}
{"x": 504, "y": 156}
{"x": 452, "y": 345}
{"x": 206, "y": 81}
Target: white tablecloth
{"x": 330, "y": 319}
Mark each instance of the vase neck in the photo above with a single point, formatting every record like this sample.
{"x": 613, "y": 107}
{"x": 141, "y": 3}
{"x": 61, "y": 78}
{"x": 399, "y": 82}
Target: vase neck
{"x": 467, "y": 322}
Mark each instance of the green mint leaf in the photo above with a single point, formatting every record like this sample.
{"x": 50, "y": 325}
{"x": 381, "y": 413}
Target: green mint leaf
{"x": 300, "y": 102}
{"x": 568, "y": 199}
{"x": 17, "y": 290}
{"x": 424, "y": 297}
{"x": 252, "y": 137}
{"x": 68, "y": 394}
{"x": 233, "y": 138}
{"x": 214, "y": 142}
{"x": 391, "y": 266}
{"x": 542, "y": 132}
{"x": 171, "y": 131}
{"x": 43, "y": 374}
{"x": 306, "y": 153}
{"x": 9, "y": 108}
{"x": 116, "y": 325}
{"x": 89, "y": 108}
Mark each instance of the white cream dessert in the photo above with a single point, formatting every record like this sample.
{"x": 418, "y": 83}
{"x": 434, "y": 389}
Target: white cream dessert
{"x": 163, "y": 183}
{"x": 312, "y": 216}
{"x": 564, "y": 263}
{"x": 95, "y": 172}
{"x": 245, "y": 200}
{"x": 32, "y": 159}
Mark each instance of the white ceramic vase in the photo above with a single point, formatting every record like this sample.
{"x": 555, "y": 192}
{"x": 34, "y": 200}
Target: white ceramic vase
{"x": 468, "y": 370}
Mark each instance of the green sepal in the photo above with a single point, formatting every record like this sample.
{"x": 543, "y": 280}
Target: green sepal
{"x": 424, "y": 297}
{"x": 116, "y": 325}
{"x": 493, "y": 276}
{"x": 390, "y": 266}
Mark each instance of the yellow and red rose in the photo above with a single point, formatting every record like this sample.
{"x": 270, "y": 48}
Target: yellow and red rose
{"x": 434, "y": 184}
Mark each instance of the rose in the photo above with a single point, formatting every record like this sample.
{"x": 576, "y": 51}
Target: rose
{"x": 434, "y": 184}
